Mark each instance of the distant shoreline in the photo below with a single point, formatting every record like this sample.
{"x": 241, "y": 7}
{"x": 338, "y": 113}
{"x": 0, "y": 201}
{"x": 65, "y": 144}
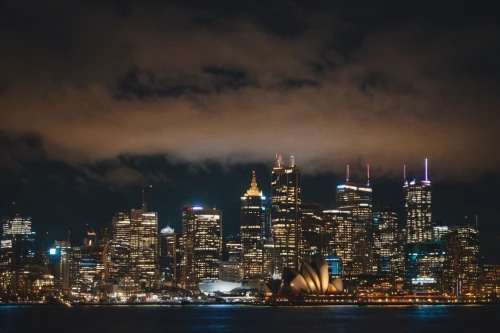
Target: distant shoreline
{"x": 280, "y": 304}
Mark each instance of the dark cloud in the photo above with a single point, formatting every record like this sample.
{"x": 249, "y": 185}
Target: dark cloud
{"x": 98, "y": 80}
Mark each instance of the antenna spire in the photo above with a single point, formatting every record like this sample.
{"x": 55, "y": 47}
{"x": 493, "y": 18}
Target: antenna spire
{"x": 347, "y": 173}
{"x": 426, "y": 179}
{"x": 368, "y": 173}
{"x": 144, "y": 206}
{"x": 477, "y": 224}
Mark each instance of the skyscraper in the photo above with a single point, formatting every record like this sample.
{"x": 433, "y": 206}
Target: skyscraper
{"x": 144, "y": 247}
{"x": 418, "y": 204}
{"x": 338, "y": 237}
{"x": 170, "y": 256}
{"x": 252, "y": 230}
{"x": 357, "y": 199}
{"x": 119, "y": 266}
{"x": 202, "y": 245}
{"x": 385, "y": 239}
{"x": 311, "y": 221}
{"x": 285, "y": 215}
{"x": 461, "y": 268}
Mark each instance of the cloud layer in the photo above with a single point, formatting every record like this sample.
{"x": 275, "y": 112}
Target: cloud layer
{"x": 94, "y": 84}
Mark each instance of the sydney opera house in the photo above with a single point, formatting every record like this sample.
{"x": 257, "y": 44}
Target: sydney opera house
{"x": 311, "y": 279}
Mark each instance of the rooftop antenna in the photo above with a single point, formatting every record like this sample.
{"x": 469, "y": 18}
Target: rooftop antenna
{"x": 477, "y": 224}
{"x": 279, "y": 160}
{"x": 347, "y": 173}
{"x": 404, "y": 175}
{"x": 292, "y": 161}
{"x": 144, "y": 206}
{"x": 426, "y": 180}
{"x": 368, "y": 173}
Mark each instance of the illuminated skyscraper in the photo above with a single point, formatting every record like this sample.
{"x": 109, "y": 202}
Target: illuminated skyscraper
{"x": 357, "y": 199}
{"x": 418, "y": 203}
{"x": 119, "y": 265}
{"x": 385, "y": 239}
{"x": 18, "y": 225}
{"x": 170, "y": 256}
{"x": 202, "y": 245}
{"x": 338, "y": 237}
{"x": 285, "y": 215}
{"x": 144, "y": 247}
{"x": 461, "y": 268}
{"x": 253, "y": 229}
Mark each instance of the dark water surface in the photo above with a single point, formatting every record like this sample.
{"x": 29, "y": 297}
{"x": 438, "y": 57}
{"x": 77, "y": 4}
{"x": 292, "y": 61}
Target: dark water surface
{"x": 231, "y": 318}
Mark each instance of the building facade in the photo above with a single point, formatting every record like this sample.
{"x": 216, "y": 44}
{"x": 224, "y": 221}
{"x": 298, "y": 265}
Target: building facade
{"x": 418, "y": 204}
{"x": 144, "y": 248}
{"x": 357, "y": 199}
{"x": 253, "y": 229}
{"x": 285, "y": 215}
{"x": 202, "y": 245}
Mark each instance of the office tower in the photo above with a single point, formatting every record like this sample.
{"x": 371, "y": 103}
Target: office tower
{"x": 59, "y": 266}
{"x": 231, "y": 271}
{"x": 90, "y": 239}
{"x": 385, "y": 239}
{"x": 338, "y": 238}
{"x": 18, "y": 225}
{"x": 170, "y": 256}
{"x": 253, "y": 229}
{"x": 74, "y": 259}
{"x": 424, "y": 264}
{"x": 462, "y": 269}
{"x": 202, "y": 239}
{"x": 285, "y": 215}
{"x": 438, "y": 231}
{"x": 490, "y": 281}
{"x": 144, "y": 247}
{"x": 311, "y": 217}
{"x": 119, "y": 265}
{"x": 232, "y": 249}
{"x": 357, "y": 199}
{"x": 418, "y": 204}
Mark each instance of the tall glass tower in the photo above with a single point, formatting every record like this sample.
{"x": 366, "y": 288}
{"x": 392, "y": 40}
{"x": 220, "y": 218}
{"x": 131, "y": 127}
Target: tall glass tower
{"x": 357, "y": 198}
{"x": 120, "y": 247}
{"x": 202, "y": 245}
{"x": 253, "y": 229}
{"x": 418, "y": 203}
{"x": 144, "y": 247}
{"x": 285, "y": 215}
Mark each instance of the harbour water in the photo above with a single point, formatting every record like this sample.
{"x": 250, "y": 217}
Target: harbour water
{"x": 234, "y": 318}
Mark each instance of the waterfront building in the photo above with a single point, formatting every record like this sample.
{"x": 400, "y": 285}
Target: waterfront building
{"x": 119, "y": 265}
{"x": 285, "y": 214}
{"x": 357, "y": 198}
{"x": 170, "y": 256}
{"x": 424, "y": 264}
{"x": 418, "y": 204}
{"x": 253, "y": 229}
{"x": 202, "y": 239}
{"x": 231, "y": 271}
{"x": 144, "y": 247}
{"x": 490, "y": 281}
{"x": 338, "y": 238}
{"x": 462, "y": 268}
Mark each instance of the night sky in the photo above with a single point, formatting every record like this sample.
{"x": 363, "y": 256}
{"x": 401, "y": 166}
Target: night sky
{"x": 99, "y": 99}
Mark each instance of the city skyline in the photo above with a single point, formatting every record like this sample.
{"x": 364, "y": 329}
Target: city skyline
{"x": 230, "y": 207}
